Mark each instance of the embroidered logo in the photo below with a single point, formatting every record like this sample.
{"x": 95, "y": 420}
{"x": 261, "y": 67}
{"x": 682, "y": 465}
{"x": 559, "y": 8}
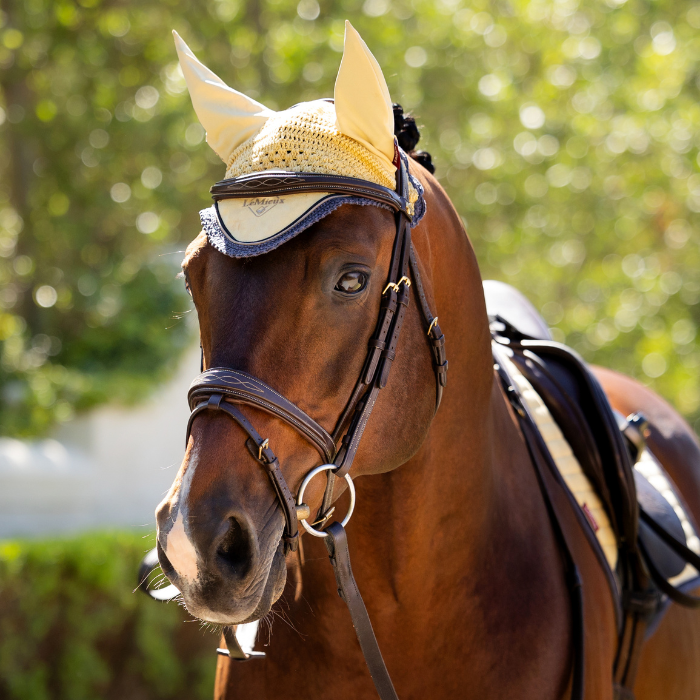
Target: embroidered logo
{"x": 261, "y": 205}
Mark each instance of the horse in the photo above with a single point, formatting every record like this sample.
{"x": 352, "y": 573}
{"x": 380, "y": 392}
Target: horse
{"x": 454, "y": 549}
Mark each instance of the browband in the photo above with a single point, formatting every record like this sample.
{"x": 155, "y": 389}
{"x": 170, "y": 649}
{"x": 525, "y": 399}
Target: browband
{"x": 304, "y": 183}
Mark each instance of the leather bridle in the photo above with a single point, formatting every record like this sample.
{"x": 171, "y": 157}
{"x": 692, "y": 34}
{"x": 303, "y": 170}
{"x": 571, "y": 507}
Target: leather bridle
{"x": 224, "y": 389}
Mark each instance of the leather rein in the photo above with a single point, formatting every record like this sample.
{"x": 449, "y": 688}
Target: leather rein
{"x": 225, "y": 389}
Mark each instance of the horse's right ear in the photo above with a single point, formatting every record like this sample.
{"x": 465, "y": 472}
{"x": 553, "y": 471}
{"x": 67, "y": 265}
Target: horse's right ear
{"x": 362, "y": 103}
{"x": 229, "y": 117}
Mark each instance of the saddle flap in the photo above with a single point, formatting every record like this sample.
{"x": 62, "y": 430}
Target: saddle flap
{"x": 664, "y": 558}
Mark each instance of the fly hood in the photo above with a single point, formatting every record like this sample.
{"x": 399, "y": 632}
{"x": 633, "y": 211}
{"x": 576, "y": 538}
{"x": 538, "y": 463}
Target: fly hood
{"x": 351, "y": 136}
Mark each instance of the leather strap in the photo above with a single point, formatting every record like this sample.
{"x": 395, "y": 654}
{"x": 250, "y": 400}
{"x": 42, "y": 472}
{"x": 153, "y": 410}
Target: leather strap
{"x": 638, "y": 597}
{"x": 298, "y": 183}
{"x": 378, "y": 364}
{"x": 542, "y": 460}
{"x": 684, "y": 552}
{"x": 244, "y": 388}
{"x": 638, "y": 608}
{"x": 382, "y": 350}
{"x": 337, "y": 545}
{"x": 539, "y": 458}
{"x": 264, "y": 456}
{"x": 435, "y": 334}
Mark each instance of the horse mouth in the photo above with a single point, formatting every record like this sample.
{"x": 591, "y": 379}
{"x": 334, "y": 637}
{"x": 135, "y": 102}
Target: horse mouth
{"x": 214, "y": 598}
{"x": 274, "y": 587}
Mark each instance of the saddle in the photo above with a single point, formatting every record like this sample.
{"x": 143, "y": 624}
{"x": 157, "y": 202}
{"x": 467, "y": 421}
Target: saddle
{"x": 651, "y": 540}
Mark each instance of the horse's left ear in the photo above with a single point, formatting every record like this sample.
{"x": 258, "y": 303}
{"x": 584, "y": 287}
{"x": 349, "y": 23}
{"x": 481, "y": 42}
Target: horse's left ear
{"x": 362, "y": 103}
{"x": 229, "y": 117}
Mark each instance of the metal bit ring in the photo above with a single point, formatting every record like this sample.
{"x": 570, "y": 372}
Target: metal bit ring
{"x": 300, "y": 497}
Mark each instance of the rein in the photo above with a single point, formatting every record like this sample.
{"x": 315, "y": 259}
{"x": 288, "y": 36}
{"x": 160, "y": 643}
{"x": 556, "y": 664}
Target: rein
{"x": 222, "y": 389}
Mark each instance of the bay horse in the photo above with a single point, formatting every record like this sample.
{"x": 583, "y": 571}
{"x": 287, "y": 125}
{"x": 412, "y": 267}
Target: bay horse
{"x": 453, "y": 547}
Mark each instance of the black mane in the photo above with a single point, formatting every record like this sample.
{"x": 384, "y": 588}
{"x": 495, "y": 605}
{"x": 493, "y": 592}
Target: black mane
{"x": 407, "y": 134}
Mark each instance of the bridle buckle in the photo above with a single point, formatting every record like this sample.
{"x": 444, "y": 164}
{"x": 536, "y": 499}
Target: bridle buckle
{"x": 396, "y": 285}
{"x": 391, "y": 285}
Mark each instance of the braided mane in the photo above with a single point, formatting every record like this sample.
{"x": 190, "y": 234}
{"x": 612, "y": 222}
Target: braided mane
{"x": 407, "y": 134}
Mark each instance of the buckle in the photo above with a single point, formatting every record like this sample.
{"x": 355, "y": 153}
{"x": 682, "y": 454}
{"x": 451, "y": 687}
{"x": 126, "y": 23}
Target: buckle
{"x": 391, "y": 285}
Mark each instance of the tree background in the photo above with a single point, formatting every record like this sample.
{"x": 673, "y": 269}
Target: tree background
{"x": 565, "y": 132}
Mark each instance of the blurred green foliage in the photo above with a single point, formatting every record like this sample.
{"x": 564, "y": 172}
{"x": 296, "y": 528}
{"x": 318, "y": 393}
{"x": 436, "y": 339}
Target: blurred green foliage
{"x": 71, "y": 628}
{"x": 565, "y": 132}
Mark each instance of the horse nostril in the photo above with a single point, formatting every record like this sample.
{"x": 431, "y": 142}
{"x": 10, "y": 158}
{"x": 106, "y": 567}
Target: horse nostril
{"x": 165, "y": 565}
{"x": 163, "y": 513}
{"x": 235, "y": 549}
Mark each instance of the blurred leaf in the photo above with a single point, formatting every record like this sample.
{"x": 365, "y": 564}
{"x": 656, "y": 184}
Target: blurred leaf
{"x": 566, "y": 134}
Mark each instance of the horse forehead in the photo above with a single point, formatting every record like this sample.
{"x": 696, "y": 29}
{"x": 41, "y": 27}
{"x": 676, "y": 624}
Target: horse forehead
{"x": 195, "y": 248}
{"x": 354, "y": 222}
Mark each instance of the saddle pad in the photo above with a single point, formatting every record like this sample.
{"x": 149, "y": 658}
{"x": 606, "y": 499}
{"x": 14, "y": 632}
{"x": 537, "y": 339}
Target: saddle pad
{"x": 582, "y": 489}
{"x": 568, "y": 466}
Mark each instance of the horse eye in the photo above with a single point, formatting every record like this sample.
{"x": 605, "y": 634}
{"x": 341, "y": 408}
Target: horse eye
{"x": 352, "y": 282}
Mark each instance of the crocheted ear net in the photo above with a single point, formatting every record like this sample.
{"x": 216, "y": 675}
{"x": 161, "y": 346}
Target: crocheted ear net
{"x": 304, "y": 139}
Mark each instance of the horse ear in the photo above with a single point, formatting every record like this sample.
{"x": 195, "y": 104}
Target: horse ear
{"x": 362, "y": 103}
{"x": 228, "y": 116}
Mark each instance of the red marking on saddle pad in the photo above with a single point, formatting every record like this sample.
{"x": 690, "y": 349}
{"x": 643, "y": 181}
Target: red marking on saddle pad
{"x": 590, "y": 517}
{"x": 397, "y": 157}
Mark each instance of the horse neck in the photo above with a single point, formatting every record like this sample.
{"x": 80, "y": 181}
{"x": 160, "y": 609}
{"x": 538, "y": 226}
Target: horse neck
{"x": 448, "y": 514}
{"x": 453, "y": 550}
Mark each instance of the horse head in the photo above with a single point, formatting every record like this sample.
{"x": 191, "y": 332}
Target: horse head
{"x": 299, "y": 317}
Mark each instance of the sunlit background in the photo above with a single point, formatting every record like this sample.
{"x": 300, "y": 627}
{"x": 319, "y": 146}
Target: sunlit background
{"x": 565, "y": 133}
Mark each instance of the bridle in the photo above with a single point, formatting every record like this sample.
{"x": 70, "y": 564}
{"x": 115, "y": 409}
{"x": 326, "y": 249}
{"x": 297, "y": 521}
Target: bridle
{"x": 224, "y": 389}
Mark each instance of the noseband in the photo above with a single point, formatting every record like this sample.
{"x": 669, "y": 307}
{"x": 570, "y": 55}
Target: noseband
{"x": 223, "y": 389}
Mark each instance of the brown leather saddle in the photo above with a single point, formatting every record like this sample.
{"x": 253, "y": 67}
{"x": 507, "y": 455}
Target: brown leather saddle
{"x": 651, "y": 541}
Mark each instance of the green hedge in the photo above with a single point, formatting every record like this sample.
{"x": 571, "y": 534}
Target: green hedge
{"x": 72, "y": 629}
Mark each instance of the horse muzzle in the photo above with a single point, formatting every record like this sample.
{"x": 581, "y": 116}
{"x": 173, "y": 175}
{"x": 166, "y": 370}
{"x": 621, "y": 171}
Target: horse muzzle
{"x": 228, "y": 568}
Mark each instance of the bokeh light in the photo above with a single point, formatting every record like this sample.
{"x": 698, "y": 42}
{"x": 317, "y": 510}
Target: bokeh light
{"x": 566, "y": 133}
